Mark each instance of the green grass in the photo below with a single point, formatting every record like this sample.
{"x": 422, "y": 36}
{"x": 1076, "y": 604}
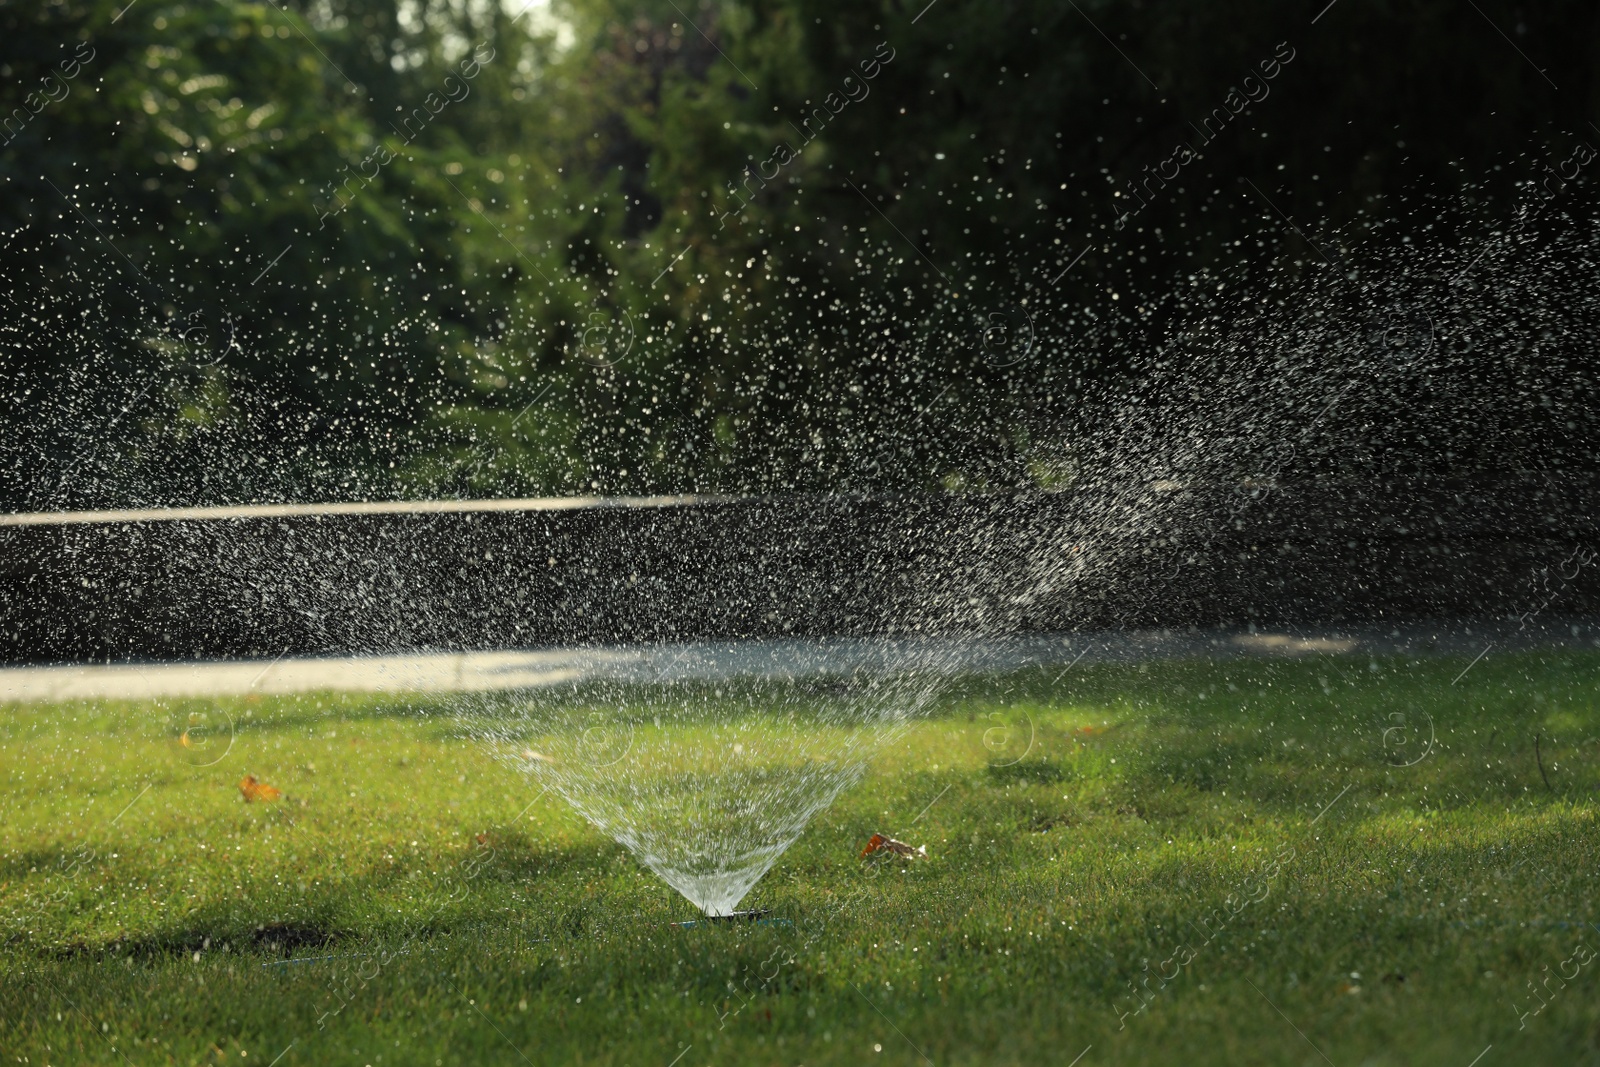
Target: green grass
{"x": 1087, "y": 835}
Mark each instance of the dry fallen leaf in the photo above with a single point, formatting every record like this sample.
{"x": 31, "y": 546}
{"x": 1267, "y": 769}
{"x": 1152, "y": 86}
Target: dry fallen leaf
{"x": 899, "y": 848}
{"x": 253, "y": 789}
{"x": 535, "y": 757}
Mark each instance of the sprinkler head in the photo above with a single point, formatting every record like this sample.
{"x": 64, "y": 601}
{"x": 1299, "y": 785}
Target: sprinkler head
{"x": 759, "y": 916}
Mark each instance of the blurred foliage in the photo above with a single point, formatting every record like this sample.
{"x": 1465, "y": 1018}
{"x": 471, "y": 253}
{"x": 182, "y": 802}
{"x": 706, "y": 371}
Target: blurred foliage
{"x": 294, "y": 250}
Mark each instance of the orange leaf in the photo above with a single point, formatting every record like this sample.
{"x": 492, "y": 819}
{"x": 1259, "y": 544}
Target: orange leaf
{"x": 899, "y": 848}
{"x": 254, "y": 789}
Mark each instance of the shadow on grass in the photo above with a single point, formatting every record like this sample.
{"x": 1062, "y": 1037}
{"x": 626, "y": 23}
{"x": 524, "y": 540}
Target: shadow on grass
{"x": 1038, "y": 772}
{"x": 454, "y": 903}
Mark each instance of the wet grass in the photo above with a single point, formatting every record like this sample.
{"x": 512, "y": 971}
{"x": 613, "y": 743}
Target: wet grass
{"x": 1335, "y": 860}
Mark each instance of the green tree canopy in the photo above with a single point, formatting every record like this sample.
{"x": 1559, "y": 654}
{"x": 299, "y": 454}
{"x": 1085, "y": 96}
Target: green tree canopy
{"x": 357, "y": 248}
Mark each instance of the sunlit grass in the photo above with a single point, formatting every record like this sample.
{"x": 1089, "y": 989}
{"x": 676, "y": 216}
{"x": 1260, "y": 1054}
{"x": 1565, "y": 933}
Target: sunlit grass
{"x": 1359, "y": 852}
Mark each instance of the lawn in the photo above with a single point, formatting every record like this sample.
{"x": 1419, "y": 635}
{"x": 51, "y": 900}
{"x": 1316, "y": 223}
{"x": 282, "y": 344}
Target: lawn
{"x": 1328, "y": 861}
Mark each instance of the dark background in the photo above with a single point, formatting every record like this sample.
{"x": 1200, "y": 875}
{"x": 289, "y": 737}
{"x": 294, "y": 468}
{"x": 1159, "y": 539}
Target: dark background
{"x": 1520, "y": 553}
{"x": 537, "y": 296}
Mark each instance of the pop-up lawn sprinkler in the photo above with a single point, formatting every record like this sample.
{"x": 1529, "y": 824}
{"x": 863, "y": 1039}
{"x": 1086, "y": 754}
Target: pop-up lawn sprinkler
{"x": 759, "y": 916}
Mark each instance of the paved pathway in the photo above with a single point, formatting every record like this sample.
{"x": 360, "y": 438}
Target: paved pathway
{"x": 465, "y": 671}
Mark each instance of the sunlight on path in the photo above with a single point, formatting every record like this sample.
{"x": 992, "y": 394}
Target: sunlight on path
{"x": 790, "y": 658}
